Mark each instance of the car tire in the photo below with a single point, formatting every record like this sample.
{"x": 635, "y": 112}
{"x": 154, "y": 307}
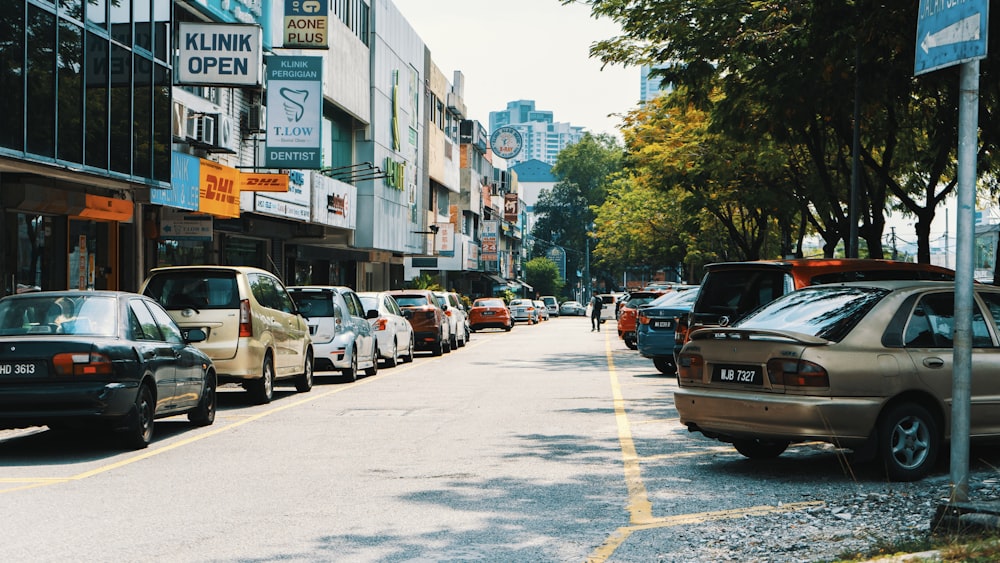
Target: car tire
{"x": 204, "y": 413}
{"x": 304, "y": 382}
{"x": 909, "y": 441}
{"x": 390, "y": 362}
{"x": 138, "y": 432}
{"x": 438, "y": 349}
{"x": 630, "y": 342}
{"x": 373, "y": 371}
{"x": 262, "y": 389}
{"x": 351, "y": 373}
{"x": 666, "y": 366}
{"x": 760, "y": 449}
{"x": 453, "y": 342}
{"x": 409, "y": 353}
{"x": 508, "y": 327}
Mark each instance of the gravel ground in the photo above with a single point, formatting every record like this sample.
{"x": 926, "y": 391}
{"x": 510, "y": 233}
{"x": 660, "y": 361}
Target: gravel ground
{"x": 843, "y": 526}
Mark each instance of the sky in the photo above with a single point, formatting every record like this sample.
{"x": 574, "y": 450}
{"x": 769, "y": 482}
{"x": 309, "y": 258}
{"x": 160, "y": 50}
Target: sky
{"x": 526, "y": 50}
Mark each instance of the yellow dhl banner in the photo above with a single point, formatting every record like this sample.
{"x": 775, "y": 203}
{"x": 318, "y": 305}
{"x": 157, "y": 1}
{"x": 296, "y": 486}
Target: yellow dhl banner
{"x": 219, "y": 190}
{"x": 263, "y": 182}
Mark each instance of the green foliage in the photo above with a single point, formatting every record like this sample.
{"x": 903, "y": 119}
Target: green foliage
{"x": 425, "y": 281}
{"x": 543, "y": 275}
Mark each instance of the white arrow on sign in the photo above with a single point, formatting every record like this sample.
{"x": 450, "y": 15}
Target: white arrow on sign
{"x": 963, "y": 30}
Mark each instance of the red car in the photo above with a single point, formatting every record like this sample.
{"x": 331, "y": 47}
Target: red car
{"x": 430, "y": 325}
{"x": 490, "y": 312}
{"x": 629, "y": 313}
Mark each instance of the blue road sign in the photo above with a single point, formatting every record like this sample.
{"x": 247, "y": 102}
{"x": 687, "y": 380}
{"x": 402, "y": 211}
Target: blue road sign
{"x": 950, "y": 32}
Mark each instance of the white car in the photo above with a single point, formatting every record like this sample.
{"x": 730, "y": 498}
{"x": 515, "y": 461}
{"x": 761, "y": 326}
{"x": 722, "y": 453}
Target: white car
{"x": 342, "y": 337}
{"x": 552, "y": 304}
{"x": 393, "y": 333}
{"x": 458, "y": 318}
{"x": 542, "y": 309}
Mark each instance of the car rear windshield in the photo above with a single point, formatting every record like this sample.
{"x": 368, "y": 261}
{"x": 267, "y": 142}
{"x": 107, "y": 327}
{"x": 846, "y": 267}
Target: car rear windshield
{"x": 826, "y": 312}
{"x": 313, "y": 303}
{"x": 90, "y": 315}
{"x": 488, "y": 303}
{"x": 734, "y": 293}
{"x": 411, "y": 300}
{"x": 200, "y": 290}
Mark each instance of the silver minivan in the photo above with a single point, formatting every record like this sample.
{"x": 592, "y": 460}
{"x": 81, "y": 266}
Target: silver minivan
{"x": 338, "y": 325}
{"x": 255, "y": 334}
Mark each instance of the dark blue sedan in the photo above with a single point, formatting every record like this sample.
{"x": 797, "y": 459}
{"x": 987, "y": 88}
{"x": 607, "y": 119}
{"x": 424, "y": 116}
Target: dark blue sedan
{"x": 71, "y": 358}
{"x": 655, "y": 328}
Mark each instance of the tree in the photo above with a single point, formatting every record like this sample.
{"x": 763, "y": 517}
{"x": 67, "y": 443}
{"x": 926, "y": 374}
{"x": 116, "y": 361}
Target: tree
{"x": 791, "y": 70}
{"x": 543, "y": 275}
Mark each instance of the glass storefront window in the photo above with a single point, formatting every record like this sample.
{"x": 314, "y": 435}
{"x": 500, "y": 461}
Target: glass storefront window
{"x": 243, "y": 251}
{"x": 183, "y": 252}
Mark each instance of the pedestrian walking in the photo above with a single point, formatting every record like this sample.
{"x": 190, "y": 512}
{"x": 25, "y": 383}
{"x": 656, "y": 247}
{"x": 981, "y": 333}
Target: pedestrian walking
{"x": 596, "y": 304}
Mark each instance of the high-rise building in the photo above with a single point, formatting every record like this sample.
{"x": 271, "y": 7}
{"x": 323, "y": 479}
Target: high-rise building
{"x": 650, "y": 86}
{"x": 541, "y": 136}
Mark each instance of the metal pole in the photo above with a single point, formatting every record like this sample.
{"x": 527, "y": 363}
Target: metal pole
{"x": 852, "y": 207}
{"x": 968, "y": 139}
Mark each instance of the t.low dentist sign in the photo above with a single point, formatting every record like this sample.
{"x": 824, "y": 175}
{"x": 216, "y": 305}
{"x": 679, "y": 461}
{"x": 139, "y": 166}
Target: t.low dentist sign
{"x": 294, "y": 112}
{"x": 219, "y": 54}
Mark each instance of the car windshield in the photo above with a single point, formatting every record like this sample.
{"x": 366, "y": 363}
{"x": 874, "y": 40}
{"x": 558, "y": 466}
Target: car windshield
{"x": 369, "y": 302}
{"x": 488, "y": 303}
{"x": 826, "y": 312}
{"x": 90, "y": 315}
{"x": 686, "y": 297}
{"x": 411, "y": 300}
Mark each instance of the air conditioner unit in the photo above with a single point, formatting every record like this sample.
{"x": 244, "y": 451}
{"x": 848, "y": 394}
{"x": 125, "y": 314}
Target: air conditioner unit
{"x": 257, "y": 118}
{"x": 201, "y": 128}
{"x": 226, "y": 137}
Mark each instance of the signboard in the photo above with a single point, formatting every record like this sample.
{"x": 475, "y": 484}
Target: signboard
{"x": 950, "y": 33}
{"x": 506, "y": 142}
{"x": 305, "y": 24}
{"x": 444, "y": 240}
{"x": 219, "y": 192}
{"x": 488, "y": 238}
{"x": 261, "y": 182}
{"x": 558, "y": 255}
{"x": 178, "y": 225}
{"x": 218, "y": 54}
{"x": 184, "y": 182}
{"x": 293, "y": 204}
{"x": 294, "y": 112}
{"x": 334, "y": 203}
{"x": 510, "y": 212}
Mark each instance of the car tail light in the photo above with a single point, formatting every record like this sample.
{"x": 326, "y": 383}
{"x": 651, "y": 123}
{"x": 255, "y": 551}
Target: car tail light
{"x": 380, "y": 324}
{"x": 681, "y": 330}
{"x": 448, "y": 312}
{"x": 796, "y": 373}
{"x": 246, "y": 326}
{"x": 82, "y": 363}
{"x": 689, "y": 366}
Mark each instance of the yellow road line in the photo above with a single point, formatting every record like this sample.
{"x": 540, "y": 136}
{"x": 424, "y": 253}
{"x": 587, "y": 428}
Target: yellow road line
{"x": 152, "y": 452}
{"x": 639, "y": 507}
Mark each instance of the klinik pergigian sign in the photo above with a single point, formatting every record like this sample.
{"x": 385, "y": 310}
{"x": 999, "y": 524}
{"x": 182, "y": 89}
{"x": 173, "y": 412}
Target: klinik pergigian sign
{"x": 294, "y": 112}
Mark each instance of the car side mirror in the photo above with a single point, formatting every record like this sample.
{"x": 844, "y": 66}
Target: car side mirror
{"x": 371, "y": 314}
{"x": 407, "y": 314}
{"x": 193, "y": 335}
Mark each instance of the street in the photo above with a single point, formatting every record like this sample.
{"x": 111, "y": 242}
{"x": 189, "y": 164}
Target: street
{"x": 548, "y": 443}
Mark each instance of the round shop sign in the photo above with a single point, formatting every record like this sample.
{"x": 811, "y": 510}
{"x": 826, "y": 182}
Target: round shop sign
{"x": 506, "y": 142}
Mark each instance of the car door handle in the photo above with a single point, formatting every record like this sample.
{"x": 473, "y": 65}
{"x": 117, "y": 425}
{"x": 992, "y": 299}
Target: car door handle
{"x": 933, "y": 362}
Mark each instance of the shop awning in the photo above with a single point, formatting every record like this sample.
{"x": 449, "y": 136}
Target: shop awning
{"x": 495, "y": 279}
{"x": 523, "y": 284}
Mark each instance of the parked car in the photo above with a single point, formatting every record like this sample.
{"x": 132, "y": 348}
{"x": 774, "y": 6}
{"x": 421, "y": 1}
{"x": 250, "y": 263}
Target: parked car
{"x": 458, "y": 319}
{"x": 541, "y": 310}
{"x": 863, "y": 365}
{"x": 730, "y": 290}
{"x": 393, "y": 332}
{"x": 522, "y": 310}
{"x": 255, "y": 334}
{"x": 552, "y": 304}
{"x": 342, "y": 337}
{"x": 490, "y": 312}
{"x": 71, "y": 357}
{"x": 430, "y": 325}
{"x": 629, "y": 312}
{"x": 657, "y": 321}
{"x": 572, "y": 309}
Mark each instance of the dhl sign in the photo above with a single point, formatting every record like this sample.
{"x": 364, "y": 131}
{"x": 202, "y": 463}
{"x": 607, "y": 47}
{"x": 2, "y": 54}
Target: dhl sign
{"x": 261, "y": 182}
{"x": 219, "y": 190}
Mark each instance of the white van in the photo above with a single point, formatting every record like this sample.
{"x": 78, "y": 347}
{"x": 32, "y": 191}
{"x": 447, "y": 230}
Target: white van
{"x": 552, "y": 304}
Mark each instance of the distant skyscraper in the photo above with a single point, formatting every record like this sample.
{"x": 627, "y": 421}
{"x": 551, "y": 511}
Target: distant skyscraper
{"x": 651, "y": 87}
{"x": 543, "y": 138}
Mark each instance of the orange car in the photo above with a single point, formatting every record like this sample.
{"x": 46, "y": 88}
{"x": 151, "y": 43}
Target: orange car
{"x": 629, "y": 312}
{"x": 430, "y": 325}
{"x": 490, "y": 312}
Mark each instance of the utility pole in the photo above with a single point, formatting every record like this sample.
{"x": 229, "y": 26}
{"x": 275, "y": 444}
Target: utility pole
{"x": 895, "y": 255}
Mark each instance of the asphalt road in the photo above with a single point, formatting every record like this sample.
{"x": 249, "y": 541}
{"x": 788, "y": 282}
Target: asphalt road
{"x": 547, "y": 443}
